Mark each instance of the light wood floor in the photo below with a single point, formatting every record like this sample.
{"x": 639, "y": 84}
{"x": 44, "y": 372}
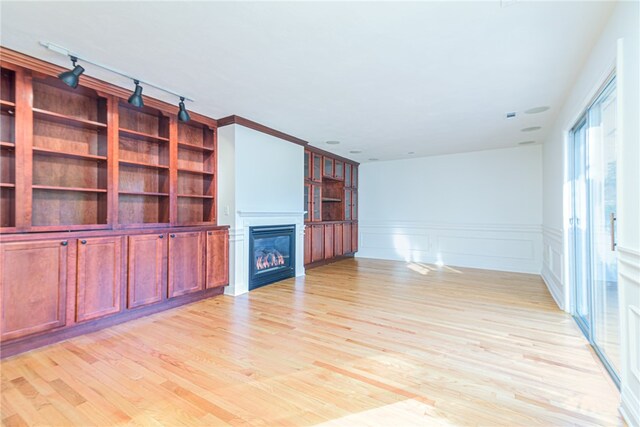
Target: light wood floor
{"x": 360, "y": 342}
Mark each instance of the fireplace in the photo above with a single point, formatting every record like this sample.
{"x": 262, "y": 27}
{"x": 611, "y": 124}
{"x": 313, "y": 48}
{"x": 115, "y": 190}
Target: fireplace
{"x": 272, "y": 256}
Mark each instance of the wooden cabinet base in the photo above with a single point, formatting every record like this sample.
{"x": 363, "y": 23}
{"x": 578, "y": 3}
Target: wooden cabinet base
{"x": 11, "y": 348}
{"x": 328, "y": 261}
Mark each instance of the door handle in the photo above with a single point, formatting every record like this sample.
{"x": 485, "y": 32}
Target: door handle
{"x": 612, "y": 221}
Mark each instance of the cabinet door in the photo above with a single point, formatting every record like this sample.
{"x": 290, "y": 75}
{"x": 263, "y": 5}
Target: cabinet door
{"x": 346, "y": 238}
{"x": 307, "y": 202}
{"x": 98, "y": 277}
{"x": 145, "y": 269}
{"x": 337, "y": 239}
{"x": 33, "y": 285}
{"x": 316, "y": 174}
{"x": 316, "y": 206}
{"x": 347, "y": 205}
{"x": 354, "y": 237}
{"x": 307, "y": 244}
{"x": 327, "y": 169}
{"x": 347, "y": 175}
{"x": 217, "y": 258}
{"x": 354, "y": 178}
{"x": 328, "y": 241}
{"x": 307, "y": 164}
{"x": 338, "y": 170}
{"x": 185, "y": 263}
{"x": 317, "y": 243}
{"x": 354, "y": 205}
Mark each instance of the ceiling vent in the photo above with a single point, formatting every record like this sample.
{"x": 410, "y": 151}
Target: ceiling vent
{"x": 511, "y": 115}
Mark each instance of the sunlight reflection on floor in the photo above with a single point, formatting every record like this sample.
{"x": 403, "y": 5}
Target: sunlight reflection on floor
{"x": 424, "y": 269}
{"x": 406, "y": 412}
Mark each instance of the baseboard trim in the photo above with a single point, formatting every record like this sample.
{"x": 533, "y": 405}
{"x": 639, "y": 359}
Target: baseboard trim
{"x": 629, "y": 408}
{"x": 328, "y": 261}
{"x": 553, "y": 286}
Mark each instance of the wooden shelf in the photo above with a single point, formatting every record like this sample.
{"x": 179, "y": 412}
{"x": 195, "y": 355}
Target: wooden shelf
{"x": 7, "y": 185}
{"x": 7, "y": 145}
{"x": 331, "y": 200}
{"x": 196, "y": 196}
{"x": 143, "y": 164}
{"x": 67, "y": 120}
{"x": 194, "y": 171}
{"x": 47, "y": 151}
{"x": 142, "y": 136}
{"x": 77, "y": 189}
{"x": 143, "y": 193}
{"x": 194, "y": 147}
{"x": 7, "y": 104}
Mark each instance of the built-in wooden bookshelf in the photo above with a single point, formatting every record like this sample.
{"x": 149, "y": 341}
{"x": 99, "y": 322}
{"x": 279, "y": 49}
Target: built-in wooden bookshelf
{"x": 92, "y": 161}
{"x": 144, "y": 176}
{"x": 196, "y": 176}
{"x": 7, "y": 150}
{"x": 331, "y": 205}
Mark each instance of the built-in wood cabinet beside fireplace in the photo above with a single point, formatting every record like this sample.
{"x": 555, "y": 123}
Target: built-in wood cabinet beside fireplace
{"x": 108, "y": 212}
{"x": 331, "y": 203}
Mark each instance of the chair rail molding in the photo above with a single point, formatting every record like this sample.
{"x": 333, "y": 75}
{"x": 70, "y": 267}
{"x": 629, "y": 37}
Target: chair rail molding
{"x": 506, "y": 247}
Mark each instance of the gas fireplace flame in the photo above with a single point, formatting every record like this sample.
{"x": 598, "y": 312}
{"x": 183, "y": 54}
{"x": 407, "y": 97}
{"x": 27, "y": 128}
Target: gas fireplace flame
{"x": 269, "y": 259}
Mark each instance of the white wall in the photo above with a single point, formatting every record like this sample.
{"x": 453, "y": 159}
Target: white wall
{"x": 617, "y": 47}
{"x": 480, "y": 209}
{"x": 260, "y": 182}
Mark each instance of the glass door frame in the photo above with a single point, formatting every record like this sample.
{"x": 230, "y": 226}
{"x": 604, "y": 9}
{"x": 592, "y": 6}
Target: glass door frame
{"x": 587, "y": 329}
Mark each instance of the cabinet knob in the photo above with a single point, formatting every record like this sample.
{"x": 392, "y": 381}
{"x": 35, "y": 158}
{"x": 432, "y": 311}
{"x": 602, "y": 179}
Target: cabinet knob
{"x": 161, "y": 236}
{"x": 64, "y": 243}
{"x": 210, "y": 233}
{"x": 172, "y": 235}
{"x": 84, "y": 242}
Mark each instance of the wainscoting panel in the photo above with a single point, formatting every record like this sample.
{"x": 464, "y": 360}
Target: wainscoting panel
{"x": 505, "y": 247}
{"x": 553, "y": 265}
{"x": 629, "y": 288}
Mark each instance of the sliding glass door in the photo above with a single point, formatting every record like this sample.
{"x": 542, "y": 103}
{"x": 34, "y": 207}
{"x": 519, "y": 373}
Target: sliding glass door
{"x": 594, "y": 259}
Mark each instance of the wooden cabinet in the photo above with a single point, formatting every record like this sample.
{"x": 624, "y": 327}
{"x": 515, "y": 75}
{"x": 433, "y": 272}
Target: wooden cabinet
{"x": 354, "y": 177}
{"x": 33, "y": 285}
{"x": 347, "y": 175}
{"x": 146, "y": 272}
{"x": 354, "y": 205}
{"x": 317, "y": 243}
{"x": 316, "y": 203}
{"x": 354, "y": 237}
{"x": 98, "y": 277}
{"x": 316, "y": 167}
{"x": 307, "y": 164}
{"x": 338, "y": 170}
{"x": 347, "y": 204}
{"x": 307, "y": 244}
{"x": 346, "y": 238}
{"x": 327, "y": 167}
{"x": 185, "y": 263}
{"x": 337, "y": 239}
{"x": 217, "y": 259}
{"x": 328, "y": 241}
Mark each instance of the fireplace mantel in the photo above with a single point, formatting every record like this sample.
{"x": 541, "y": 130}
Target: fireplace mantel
{"x": 269, "y": 214}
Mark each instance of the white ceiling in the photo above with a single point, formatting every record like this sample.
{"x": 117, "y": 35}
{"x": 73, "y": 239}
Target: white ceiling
{"x": 384, "y": 77}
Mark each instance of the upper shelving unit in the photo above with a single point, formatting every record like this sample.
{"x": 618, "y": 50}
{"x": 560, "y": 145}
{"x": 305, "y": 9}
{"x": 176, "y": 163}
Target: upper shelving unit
{"x": 85, "y": 159}
{"x": 7, "y": 150}
{"x": 196, "y": 177}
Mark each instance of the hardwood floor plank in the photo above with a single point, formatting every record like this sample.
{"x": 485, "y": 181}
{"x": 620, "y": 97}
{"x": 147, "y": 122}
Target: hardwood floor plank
{"x": 357, "y": 342}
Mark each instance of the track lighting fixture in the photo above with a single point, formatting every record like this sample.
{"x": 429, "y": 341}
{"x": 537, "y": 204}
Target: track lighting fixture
{"x": 136, "y": 98}
{"x": 71, "y": 78}
{"x": 183, "y": 115}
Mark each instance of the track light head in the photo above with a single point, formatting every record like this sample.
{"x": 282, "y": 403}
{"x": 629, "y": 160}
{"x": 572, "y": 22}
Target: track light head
{"x": 71, "y": 78}
{"x": 136, "y": 98}
{"x": 183, "y": 115}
